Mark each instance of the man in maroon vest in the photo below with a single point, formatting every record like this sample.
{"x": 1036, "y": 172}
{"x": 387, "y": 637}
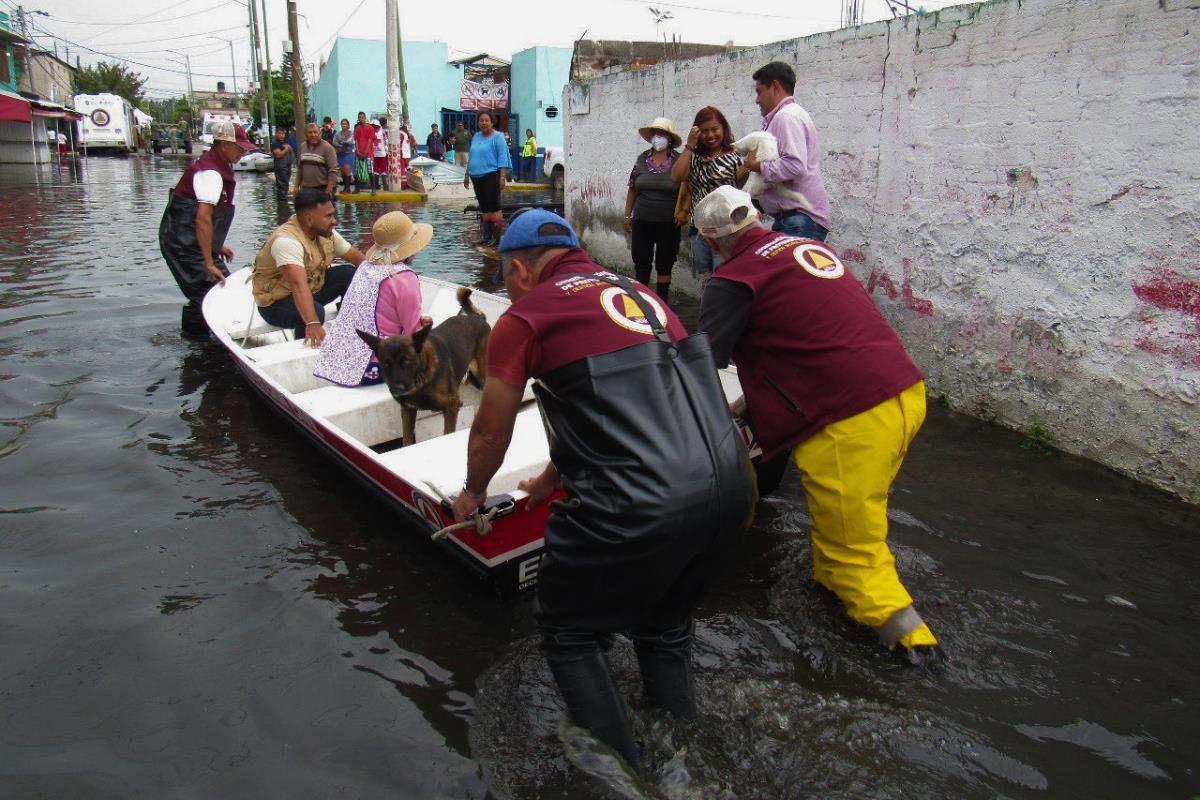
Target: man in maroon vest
{"x": 196, "y": 221}
{"x": 658, "y": 484}
{"x": 826, "y": 378}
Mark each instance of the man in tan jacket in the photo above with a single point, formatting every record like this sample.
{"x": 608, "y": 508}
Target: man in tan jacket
{"x": 293, "y": 273}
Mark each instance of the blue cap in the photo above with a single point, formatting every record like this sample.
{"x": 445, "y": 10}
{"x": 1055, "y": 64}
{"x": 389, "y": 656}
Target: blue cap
{"x": 522, "y": 231}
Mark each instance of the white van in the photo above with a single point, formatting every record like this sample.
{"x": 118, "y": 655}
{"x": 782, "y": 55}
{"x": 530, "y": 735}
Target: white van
{"x": 210, "y": 118}
{"x": 107, "y": 123}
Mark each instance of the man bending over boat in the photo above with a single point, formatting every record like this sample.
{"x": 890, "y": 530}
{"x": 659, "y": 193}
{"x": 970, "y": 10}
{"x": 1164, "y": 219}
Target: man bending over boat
{"x": 191, "y": 235}
{"x": 293, "y": 274}
{"x": 658, "y": 484}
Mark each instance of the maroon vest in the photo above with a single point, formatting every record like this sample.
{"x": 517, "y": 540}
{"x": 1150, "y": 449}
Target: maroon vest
{"x": 816, "y": 349}
{"x": 574, "y": 315}
{"x": 210, "y": 160}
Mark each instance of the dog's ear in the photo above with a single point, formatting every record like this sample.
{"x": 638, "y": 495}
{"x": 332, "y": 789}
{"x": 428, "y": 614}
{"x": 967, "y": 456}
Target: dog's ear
{"x": 419, "y": 336}
{"x": 371, "y": 339}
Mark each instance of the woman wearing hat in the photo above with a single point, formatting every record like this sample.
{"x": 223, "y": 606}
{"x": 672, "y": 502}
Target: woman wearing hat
{"x": 384, "y": 298}
{"x": 650, "y": 214}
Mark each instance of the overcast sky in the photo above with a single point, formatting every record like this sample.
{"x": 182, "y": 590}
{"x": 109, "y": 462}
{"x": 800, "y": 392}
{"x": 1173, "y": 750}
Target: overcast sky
{"x": 155, "y": 35}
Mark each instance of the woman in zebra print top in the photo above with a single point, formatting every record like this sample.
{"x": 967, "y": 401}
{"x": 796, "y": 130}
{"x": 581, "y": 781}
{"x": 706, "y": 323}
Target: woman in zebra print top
{"x": 708, "y": 161}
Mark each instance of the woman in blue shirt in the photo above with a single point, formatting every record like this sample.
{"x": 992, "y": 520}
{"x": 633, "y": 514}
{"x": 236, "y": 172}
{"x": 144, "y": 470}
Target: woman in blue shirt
{"x": 488, "y": 167}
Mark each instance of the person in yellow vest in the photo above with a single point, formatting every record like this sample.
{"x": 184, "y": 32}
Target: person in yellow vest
{"x": 294, "y": 277}
{"x": 528, "y": 157}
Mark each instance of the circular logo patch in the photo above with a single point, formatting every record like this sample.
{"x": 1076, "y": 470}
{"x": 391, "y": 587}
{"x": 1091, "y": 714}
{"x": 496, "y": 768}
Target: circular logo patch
{"x": 624, "y": 310}
{"x": 100, "y": 117}
{"x": 818, "y": 261}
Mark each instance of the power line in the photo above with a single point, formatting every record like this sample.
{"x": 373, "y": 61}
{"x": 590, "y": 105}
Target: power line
{"x": 131, "y": 61}
{"x": 174, "y": 38}
{"x": 338, "y": 30}
{"x": 155, "y": 22}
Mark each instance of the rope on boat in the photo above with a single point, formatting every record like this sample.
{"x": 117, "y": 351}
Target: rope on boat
{"x": 481, "y": 523}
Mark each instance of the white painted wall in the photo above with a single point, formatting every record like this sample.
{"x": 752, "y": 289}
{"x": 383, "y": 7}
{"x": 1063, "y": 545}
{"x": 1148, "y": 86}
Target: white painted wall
{"x": 17, "y": 144}
{"x": 1016, "y": 182}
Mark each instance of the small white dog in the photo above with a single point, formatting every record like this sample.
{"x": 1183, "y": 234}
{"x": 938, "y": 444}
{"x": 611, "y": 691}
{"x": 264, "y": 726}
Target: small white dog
{"x": 765, "y": 148}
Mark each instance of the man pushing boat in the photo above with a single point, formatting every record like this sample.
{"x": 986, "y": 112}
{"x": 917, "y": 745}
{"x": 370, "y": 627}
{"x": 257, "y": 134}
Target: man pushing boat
{"x": 199, "y": 213}
{"x": 659, "y": 487}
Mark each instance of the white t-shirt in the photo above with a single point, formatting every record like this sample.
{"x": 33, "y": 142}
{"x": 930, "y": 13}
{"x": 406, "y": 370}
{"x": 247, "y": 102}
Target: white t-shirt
{"x": 207, "y": 185}
{"x": 286, "y": 250}
{"x": 380, "y": 143}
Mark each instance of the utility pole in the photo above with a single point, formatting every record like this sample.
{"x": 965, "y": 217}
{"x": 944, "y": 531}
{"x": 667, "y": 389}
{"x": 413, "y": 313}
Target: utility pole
{"x": 28, "y": 47}
{"x": 233, "y": 66}
{"x": 297, "y": 68}
{"x": 263, "y": 107}
{"x": 265, "y": 75}
{"x": 392, "y": 47}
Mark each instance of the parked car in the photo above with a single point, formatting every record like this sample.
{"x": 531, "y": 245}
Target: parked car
{"x": 552, "y": 166}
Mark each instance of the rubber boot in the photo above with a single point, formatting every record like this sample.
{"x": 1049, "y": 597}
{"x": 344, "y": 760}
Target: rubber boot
{"x": 191, "y": 322}
{"x": 374, "y": 182}
{"x": 662, "y": 289}
{"x": 486, "y": 226}
{"x": 497, "y": 232}
{"x": 592, "y": 699}
{"x": 665, "y": 661}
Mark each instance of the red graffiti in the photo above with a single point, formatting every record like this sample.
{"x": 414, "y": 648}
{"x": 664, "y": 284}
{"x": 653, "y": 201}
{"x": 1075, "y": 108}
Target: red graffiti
{"x": 853, "y": 255}
{"x": 915, "y": 304}
{"x": 1170, "y": 292}
{"x": 594, "y": 190}
{"x": 880, "y": 279}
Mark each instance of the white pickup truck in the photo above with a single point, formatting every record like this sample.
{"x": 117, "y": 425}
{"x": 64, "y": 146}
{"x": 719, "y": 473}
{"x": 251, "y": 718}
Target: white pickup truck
{"x": 552, "y": 167}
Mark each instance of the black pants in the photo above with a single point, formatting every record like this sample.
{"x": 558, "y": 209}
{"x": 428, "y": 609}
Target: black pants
{"x": 283, "y": 180}
{"x": 284, "y": 314}
{"x": 654, "y": 243}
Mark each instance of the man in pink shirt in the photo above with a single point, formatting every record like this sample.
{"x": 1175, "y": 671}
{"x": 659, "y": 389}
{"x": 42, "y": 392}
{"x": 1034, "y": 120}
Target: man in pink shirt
{"x": 796, "y": 198}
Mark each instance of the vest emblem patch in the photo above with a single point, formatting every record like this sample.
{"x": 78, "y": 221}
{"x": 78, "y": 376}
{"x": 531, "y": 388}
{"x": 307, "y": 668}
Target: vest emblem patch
{"x": 623, "y": 310}
{"x": 818, "y": 261}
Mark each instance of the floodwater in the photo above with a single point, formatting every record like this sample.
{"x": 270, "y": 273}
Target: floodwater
{"x": 194, "y": 603}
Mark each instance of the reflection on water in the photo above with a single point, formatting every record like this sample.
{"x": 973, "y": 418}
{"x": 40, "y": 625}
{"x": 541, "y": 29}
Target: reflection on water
{"x": 195, "y": 602}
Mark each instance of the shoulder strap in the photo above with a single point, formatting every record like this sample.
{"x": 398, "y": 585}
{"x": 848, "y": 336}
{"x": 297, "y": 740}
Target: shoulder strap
{"x": 651, "y": 315}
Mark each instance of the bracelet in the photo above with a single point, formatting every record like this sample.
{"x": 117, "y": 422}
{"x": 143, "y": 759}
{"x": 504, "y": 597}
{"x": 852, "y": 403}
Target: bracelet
{"x": 314, "y": 322}
{"x": 472, "y": 494}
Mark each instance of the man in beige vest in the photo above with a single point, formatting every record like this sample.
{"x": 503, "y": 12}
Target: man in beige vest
{"x": 293, "y": 276}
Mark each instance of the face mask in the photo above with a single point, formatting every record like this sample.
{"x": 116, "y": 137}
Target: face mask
{"x": 658, "y": 142}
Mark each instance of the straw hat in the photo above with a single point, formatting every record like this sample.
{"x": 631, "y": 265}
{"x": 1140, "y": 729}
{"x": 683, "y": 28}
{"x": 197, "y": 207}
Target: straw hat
{"x": 397, "y": 237}
{"x": 662, "y": 125}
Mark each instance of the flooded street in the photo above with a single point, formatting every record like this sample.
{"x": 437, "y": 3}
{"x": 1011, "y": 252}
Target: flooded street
{"x": 195, "y": 603}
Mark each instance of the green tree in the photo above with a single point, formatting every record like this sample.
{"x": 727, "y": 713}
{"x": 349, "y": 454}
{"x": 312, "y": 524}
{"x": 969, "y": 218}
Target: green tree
{"x": 112, "y": 78}
{"x": 281, "y": 97}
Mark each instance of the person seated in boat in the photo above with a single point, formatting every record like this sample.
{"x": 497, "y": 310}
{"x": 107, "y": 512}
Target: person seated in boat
{"x": 294, "y": 277}
{"x": 659, "y": 486}
{"x": 384, "y": 299}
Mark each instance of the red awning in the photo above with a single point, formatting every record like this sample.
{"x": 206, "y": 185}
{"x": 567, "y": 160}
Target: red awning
{"x": 56, "y": 113}
{"x": 14, "y": 109}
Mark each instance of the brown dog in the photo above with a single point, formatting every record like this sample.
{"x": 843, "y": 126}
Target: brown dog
{"x": 426, "y": 370}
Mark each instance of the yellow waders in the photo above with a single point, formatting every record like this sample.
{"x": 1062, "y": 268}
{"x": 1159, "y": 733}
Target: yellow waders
{"x": 847, "y": 468}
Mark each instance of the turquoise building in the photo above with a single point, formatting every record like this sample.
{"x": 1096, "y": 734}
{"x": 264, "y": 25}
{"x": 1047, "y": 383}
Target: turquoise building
{"x": 538, "y": 77}
{"x": 354, "y": 78}
{"x": 8, "y": 64}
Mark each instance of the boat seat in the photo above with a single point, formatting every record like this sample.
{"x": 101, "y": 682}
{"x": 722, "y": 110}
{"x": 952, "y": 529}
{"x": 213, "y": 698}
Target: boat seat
{"x": 443, "y": 460}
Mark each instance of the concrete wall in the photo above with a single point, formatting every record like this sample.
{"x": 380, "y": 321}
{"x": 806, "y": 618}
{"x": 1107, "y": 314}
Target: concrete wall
{"x": 355, "y": 79}
{"x": 538, "y": 77}
{"x": 1017, "y": 184}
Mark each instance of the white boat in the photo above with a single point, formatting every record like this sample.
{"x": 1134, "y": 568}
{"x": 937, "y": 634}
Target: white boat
{"x": 437, "y": 179}
{"x": 360, "y": 428}
{"x": 255, "y": 162}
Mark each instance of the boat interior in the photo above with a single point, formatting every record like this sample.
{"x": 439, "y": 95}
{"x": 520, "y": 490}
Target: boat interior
{"x": 368, "y": 415}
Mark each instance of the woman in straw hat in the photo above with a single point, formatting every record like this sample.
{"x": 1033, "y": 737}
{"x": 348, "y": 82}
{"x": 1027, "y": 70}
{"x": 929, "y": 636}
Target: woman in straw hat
{"x": 384, "y": 298}
{"x": 651, "y": 216}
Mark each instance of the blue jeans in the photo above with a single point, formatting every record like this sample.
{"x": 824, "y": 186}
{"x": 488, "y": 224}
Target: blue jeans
{"x": 800, "y": 224}
{"x": 703, "y": 258}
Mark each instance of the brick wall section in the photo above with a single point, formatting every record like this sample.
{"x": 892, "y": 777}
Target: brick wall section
{"x": 1017, "y": 184}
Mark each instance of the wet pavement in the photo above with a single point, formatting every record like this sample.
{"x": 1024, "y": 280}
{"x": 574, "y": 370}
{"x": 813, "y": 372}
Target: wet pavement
{"x": 194, "y": 603}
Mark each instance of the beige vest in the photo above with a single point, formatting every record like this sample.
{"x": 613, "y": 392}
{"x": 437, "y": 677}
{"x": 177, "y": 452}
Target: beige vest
{"x": 269, "y": 282}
